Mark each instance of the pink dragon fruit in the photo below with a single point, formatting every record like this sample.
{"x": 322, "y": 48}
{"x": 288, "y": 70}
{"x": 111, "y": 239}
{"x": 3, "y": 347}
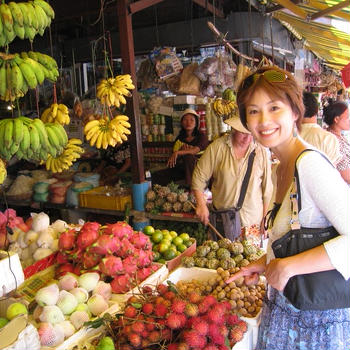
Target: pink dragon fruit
{"x": 144, "y": 257}
{"x": 61, "y": 258}
{"x": 130, "y": 265}
{"x": 90, "y": 225}
{"x": 66, "y": 240}
{"x": 105, "y": 244}
{"x": 121, "y": 284}
{"x": 126, "y": 248}
{"x": 61, "y": 270}
{"x": 86, "y": 238}
{"x": 143, "y": 273}
{"x": 90, "y": 260}
{"x": 111, "y": 265}
{"x": 120, "y": 229}
{"x": 141, "y": 241}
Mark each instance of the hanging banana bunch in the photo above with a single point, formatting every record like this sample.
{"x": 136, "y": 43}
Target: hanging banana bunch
{"x": 56, "y": 113}
{"x": 71, "y": 152}
{"x": 223, "y": 108}
{"x": 24, "y": 20}
{"x": 111, "y": 91}
{"x": 105, "y": 132}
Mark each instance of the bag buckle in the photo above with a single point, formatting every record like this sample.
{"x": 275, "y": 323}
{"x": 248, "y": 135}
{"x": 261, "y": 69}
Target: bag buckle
{"x": 294, "y": 195}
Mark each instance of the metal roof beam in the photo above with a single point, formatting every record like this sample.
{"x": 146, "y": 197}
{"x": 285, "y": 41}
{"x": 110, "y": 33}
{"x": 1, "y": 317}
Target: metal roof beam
{"x": 213, "y": 9}
{"x": 141, "y": 5}
{"x": 329, "y": 10}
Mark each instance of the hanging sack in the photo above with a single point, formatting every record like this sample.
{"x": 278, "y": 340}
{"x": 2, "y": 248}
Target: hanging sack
{"x": 314, "y": 291}
{"x": 228, "y": 220}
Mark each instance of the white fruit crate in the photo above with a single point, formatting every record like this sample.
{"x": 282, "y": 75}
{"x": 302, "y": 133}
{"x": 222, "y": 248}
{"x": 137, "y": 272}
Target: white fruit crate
{"x": 202, "y": 274}
{"x": 11, "y": 272}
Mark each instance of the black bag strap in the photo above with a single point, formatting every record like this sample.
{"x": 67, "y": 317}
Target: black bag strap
{"x": 295, "y": 195}
{"x": 245, "y": 181}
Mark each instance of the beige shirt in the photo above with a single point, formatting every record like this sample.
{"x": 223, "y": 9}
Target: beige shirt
{"x": 322, "y": 140}
{"x": 219, "y": 161}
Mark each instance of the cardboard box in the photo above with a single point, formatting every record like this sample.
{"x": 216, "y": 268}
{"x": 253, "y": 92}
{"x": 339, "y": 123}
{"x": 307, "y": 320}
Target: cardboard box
{"x": 75, "y": 129}
{"x": 174, "y": 263}
{"x": 11, "y": 272}
{"x": 185, "y": 99}
{"x": 165, "y": 110}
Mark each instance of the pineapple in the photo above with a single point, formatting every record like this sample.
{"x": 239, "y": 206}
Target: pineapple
{"x": 151, "y": 195}
{"x": 149, "y": 206}
{"x": 187, "y": 207}
{"x": 159, "y": 202}
{"x": 167, "y": 207}
{"x": 183, "y": 197}
{"x": 177, "y": 206}
{"x": 171, "y": 197}
{"x": 163, "y": 192}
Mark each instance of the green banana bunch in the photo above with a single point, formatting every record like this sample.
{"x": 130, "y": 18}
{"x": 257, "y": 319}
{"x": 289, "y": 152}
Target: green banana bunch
{"x": 20, "y": 72}
{"x": 24, "y": 19}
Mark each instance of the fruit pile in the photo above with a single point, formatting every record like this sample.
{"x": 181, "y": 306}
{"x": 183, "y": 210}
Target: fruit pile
{"x": 20, "y": 72}
{"x": 30, "y": 139}
{"x": 120, "y": 254}
{"x": 245, "y": 300}
{"x": 167, "y": 245}
{"x": 63, "y": 307}
{"x": 223, "y": 253}
{"x": 167, "y": 199}
{"x": 163, "y": 318}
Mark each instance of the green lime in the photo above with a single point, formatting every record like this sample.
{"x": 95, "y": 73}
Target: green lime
{"x": 165, "y": 241}
{"x": 177, "y": 241}
{"x": 181, "y": 247}
{"x": 173, "y": 234}
{"x": 167, "y": 236}
{"x": 148, "y": 230}
{"x": 187, "y": 243}
{"x": 157, "y": 236}
{"x": 165, "y": 232}
{"x": 163, "y": 247}
{"x": 185, "y": 236}
{"x": 173, "y": 247}
{"x": 156, "y": 256}
{"x": 178, "y": 253}
{"x": 161, "y": 261}
{"x": 169, "y": 254}
{"x": 155, "y": 248}
{"x": 3, "y": 321}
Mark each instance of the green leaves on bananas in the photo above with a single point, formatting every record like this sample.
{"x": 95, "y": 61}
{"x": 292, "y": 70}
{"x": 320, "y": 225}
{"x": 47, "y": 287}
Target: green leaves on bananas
{"x": 24, "y": 19}
{"x": 20, "y": 72}
{"x": 30, "y": 139}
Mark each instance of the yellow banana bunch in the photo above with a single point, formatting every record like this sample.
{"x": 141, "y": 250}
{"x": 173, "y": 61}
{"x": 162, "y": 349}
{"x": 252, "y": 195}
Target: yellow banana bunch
{"x": 24, "y": 20}
{"x": 111, "y": 91}
{"x": 18, "y": 73}
{"x": 177, "y": 146}
{"x": 223, "y": 107}
{"x": 3, "y": 172}
{"x": 71, "y": 152}
{"x": 104, "y": 132}
{"x": 56, "y": 113}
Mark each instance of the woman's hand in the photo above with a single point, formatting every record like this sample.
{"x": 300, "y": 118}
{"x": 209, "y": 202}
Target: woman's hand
{"x": 277, "y": 273}
{"x": 250, "y": 272}
{"x": 172, "y": 159}
{"x": 202, "y": 212}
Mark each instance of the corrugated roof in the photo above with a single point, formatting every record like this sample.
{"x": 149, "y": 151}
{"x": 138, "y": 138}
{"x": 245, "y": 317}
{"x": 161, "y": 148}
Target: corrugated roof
{"x": 320, "y": 35}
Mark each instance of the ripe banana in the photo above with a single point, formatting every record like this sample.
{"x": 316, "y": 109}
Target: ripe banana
{"x": 56, "y": 113}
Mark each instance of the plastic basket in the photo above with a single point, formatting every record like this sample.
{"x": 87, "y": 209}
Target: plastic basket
{"x": 98, "y": 198}
{"x": 39, "y": 265}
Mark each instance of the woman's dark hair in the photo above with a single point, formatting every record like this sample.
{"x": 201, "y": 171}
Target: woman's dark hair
{"x": 195, "y": 132}
{"x": 310, "y": 103}
{"x": 287, "y": 91}
{"x": 333, "y": 110}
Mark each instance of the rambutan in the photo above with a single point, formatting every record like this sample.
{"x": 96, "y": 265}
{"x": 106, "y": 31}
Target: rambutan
{"x": 215, "y": 335}
{"x": 147, "y": 308}
{"x": 203, "y": 307}
{"x": 191, "y": 310}
{"x": 134, "y": 339}
{"x": 138, "y": 327}
{"x": 183, "y": 346}
{"x": 223, "y": 330}
{"x": 214, "y": 316}
{"x": 154, "y": 336}
{"x": 210, "y": 300}
{"x": 144, "y": 333}
{"x": 166, "y": 334}
{"x": 224, "y": 347}
{"x": 147, "y": 290}
{"x": 210, "y": 346}
{"x": 130, "y": 311}
{"x": 192, "y": 321}
{"x": 167, "y": 303}
{"x": 173, "y": 346}
{"x": 232, "y": 319}
{"x": 140, "y": 317}
{"x": 133, "y": 299}
{"x": 169, "y": 295}
{"x": 159, "y": 300}
{"x": 161, "y": 310}
{"x": 125, "y": 347}
{"x": 201, "y": 327}
{"x": 175, "y": 321}
{"x": 161, "y": 323}
{"x": 162, "y": 288}
{"x": 150, "y": 323}
{"x": 242, "y": 325}
{"x": 193, "y": 339}
{"x": 178, "y": 306}
{"x": 127, "y": 329}
{"x": 145, "y": 343}
{"x": 226, "y": 304}
{"x": 236, "y": 334}
{"x": 194, "y": 298}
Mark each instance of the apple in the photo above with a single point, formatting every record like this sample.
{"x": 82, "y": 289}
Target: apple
{"x": 15, "y": 309}
{"x": 3, "y": 321}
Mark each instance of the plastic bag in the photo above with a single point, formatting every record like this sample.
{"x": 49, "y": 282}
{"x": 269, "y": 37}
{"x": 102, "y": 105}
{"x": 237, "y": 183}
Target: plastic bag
{"x": 189, "y": 82}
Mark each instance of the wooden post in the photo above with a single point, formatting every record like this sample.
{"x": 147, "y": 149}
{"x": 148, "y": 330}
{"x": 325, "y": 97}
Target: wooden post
{"x": 132, "y": 106}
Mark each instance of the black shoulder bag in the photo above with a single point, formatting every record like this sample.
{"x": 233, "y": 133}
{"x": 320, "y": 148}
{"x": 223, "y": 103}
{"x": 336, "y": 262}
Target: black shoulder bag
{"x": 314, "y": 291}
{"x": 229, "y": 218}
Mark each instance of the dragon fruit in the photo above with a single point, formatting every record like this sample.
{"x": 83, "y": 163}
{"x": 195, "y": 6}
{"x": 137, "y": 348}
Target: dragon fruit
{"x": 86, "y": 238}
{"x": 130, "y": 265}
{"x": 61, "y": 258}
{"x": 143, "y": 273}
{"x": 121, "y": 284}
{"x": 91, "y": 225}
{"x": 111, "y": 265}
{"x": 63, "y": 269}
{"x": 144, "y": 257}
{"x": 90, "y": 260}
{"x": 66, "y": 240}
{"x": 105, "y": 244}
{"x": 126, "y": 248}
{"x": 120, "y": 229}
{"x": 141, "y": 241}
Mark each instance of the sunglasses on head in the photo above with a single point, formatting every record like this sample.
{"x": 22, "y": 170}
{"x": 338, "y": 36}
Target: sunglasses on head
{"x": 272, "y": 76}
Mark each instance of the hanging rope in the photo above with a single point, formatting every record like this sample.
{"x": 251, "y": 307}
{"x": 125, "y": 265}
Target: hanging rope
{"x": 272, "y": 50}
{"x": 156, "y": 18}
{"x": 54, "y": 92}
{"x": 250, "y": 50}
